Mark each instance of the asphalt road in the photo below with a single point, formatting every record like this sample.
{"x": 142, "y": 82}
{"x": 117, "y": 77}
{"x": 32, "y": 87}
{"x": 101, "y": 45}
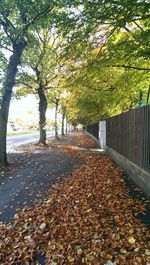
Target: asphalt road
{"x": 15, "y": 140}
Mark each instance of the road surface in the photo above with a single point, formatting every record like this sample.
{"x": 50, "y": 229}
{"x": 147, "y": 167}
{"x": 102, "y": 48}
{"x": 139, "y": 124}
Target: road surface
{"x": 15, "y": 140}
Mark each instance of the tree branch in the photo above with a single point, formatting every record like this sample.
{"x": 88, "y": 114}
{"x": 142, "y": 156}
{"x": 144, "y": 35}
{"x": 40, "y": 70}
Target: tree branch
{"x": 42, "y": 13}
{"x": 5, "y": 28}
{"x": 24, "y": 83}
{"x": 139, "y": 26}
{"x": 5, "y": 16}
{"x": 107, "y": 38}
{"x": 130, "y": 67}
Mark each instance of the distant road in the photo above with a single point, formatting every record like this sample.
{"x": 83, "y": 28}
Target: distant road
{"x": 15, "y": 140}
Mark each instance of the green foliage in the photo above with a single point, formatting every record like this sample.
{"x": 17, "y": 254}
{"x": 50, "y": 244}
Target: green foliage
{"x": 40, "y": 68}
{"x": 109, "y": 47}
{"x": 103, "y": 87}
{"x": 17, "y": 16}
{"x": 96, "y": 51}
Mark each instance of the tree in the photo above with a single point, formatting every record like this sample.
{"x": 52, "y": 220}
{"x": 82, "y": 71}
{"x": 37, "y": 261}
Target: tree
{"x": 54, "y": 100}
{"x": 89, "y": 29}
{"x": 93, "y": 24}
{"x": 99, "y": 90}
{"x": 16, "y": 18}
{"x": 45, "y": 65}
{"x": 63, "y": 111}
{"x": 111, "y": 63}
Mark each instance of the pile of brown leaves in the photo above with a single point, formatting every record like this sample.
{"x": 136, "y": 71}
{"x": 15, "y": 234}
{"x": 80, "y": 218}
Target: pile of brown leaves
{"x": 85, "y": 141}
{"x": 89, "y": 218}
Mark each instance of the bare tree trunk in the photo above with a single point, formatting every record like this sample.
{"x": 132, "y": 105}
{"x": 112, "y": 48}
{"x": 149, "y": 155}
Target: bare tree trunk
{"x": 63, "y": 120}
{"x": 3, "y": 133}
{"x": 148, "y": 95}
{"x": 62, "y": 124}
{"x": 56, "y": 118}
{"x": 66, "y": 126}
{"x": 42, "y": 115}
{"x": 14, "y": 61}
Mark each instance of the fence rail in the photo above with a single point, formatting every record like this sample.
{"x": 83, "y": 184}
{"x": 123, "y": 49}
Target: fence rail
{"x": 129, "y": 134}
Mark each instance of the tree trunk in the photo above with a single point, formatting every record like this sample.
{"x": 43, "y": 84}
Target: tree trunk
{"x": 62, "y": 124}
{"x": 66, "y": 126}
{"x": 56, "y": 119}
{"x": 148, "y": 95}
{"x": 14, "y": 61}
{"x": 42, "y": 115}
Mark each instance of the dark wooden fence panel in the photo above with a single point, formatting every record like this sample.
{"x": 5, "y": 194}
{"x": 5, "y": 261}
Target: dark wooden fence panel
{"x": 129, "y": 134}
{"x": 93, "y": 129}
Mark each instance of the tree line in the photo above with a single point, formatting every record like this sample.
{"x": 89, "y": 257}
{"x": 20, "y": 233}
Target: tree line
{"x": 91, "y": 57}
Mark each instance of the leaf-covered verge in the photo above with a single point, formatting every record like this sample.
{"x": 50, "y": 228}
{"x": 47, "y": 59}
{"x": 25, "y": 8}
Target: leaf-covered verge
{"x": 89, "y": 218}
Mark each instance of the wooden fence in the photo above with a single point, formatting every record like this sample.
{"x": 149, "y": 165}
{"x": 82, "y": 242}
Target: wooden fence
{"x": 129, "y": 134}
{"x": 93, "y": 129}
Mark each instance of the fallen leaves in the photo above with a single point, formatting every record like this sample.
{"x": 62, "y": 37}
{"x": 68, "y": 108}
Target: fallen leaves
{"x": 131, "y": 240}
{"x": 88, "y": 218}
{"x": 109, "y": 262}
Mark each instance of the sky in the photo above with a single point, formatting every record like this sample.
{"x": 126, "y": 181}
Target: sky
{"x": 26, "y": 108}
{"x": 20, "y": 108}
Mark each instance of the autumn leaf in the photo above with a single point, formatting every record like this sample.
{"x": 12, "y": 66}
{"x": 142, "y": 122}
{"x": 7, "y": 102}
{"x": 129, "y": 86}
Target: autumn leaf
{"x": 70, "y": 258}
{"x": 131, "y": 240}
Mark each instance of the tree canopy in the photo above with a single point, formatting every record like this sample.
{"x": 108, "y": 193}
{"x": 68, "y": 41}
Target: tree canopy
{"x": 110, "y": 50}
{"x": 98, "y": 52}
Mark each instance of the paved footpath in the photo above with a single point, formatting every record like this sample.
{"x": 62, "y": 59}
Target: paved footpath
{"x": 31, "y": 175}
{"x": 34, "y": 170}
